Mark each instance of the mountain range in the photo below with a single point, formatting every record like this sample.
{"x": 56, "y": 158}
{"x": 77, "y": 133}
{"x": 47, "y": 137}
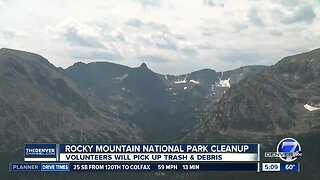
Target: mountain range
{"x": 106, "y": 102}
{"x": 279, "y": 102}
{"x": 151, "y": 100}
{"x": 282, "y": 99}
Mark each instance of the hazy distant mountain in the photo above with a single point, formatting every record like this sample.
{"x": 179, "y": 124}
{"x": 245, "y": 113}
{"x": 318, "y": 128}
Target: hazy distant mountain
{"x": 282, "y": 99}
{"x": 207, "y": 83}
{"x": 39, "y": 104}
{"x": 89, "y": 102}
{"x": 152, "y": 100}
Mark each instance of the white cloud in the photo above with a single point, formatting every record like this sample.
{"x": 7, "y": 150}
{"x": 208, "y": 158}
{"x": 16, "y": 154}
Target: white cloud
{"x": 2, "y": 3}
{"x": 255, "y": 17}
{"x": 311, "y": 33}
{"x": 78, "y": 34}
{"x": 162, "y": 40}
{"x": 10, "y": 32}
{"x": 296, "y": 14}
{"x": 213, "y": 3}
{"x": 152, "y": 3}
{"x": 117, "y": 34}
{"x": 89, "y": 55}
{"x": 134, "y": 22}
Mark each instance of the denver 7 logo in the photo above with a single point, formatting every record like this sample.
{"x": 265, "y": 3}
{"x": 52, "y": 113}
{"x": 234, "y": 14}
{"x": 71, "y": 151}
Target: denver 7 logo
{"x": 289, "y": 149}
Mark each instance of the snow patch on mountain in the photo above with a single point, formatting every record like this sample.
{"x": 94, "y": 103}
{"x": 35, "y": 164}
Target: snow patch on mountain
{"x": 194, "y": 81}
{"x": 224, "y": 83}
{"x": 121, "y": 78}
{"x": 181, "y": 81}
{"x": 310, "y": 108}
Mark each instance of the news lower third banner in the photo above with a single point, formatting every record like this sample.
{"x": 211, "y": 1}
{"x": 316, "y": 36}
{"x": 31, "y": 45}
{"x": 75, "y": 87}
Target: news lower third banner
{"x": 139, "y": 157}
{"x": 158, "y": 152}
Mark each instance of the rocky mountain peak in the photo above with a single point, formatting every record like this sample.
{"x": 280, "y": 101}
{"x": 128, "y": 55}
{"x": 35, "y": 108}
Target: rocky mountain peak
{"x": 144, "y": 66}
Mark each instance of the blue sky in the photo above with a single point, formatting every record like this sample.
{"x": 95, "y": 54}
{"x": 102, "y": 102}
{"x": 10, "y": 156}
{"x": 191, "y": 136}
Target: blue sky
{"x": 171, "y": 36}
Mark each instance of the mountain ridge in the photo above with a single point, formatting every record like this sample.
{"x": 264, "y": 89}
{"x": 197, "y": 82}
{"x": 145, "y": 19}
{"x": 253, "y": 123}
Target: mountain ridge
{"x": 38, "y": 104}
{"x": 151, "y": 99}
{"x": 110, "y": 103}
{"x": 272, "y": 102}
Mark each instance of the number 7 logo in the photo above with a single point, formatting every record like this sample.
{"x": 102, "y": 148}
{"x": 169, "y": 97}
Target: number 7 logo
{"x": 287, "y": 148}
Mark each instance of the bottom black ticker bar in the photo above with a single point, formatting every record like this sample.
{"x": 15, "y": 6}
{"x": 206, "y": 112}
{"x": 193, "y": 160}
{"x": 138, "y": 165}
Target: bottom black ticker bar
{"x": 77, "y": 167}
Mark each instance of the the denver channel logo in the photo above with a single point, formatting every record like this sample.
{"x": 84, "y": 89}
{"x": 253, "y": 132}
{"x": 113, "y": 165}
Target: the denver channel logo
{"x": 288, "y": 150}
